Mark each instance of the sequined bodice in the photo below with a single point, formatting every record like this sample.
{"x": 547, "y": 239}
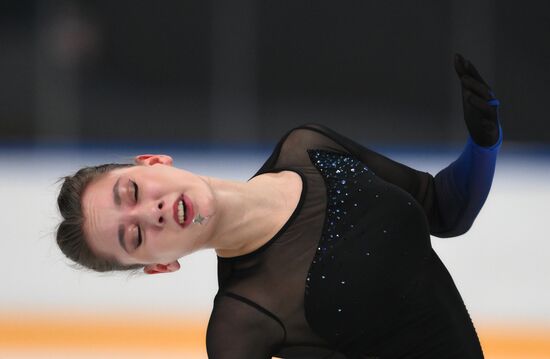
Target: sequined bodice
{"x": 341, "y": 174}
{"x": 365, "y": 215}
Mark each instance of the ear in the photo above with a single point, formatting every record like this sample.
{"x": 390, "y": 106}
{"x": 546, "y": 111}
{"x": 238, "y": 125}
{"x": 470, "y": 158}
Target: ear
{"x": 162, "y": 268}
{"x": 149, "y": 160}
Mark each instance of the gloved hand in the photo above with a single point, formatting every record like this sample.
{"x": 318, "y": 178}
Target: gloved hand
{"x": 479, "y": 103}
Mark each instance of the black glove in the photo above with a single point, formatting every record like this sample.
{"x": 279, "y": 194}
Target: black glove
{"x": 479, "y": 102}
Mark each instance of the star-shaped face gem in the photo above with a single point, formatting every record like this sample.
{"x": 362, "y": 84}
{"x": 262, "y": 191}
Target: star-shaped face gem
{"x": 199, "y": 219}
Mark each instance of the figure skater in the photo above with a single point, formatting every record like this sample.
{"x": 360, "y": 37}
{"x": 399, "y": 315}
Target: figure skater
{"x": 323, "y": 253}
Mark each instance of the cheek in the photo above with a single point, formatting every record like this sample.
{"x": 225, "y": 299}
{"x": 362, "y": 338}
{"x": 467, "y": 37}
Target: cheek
{"x": 161, "y": 241}
{"x": 162, "y": 248}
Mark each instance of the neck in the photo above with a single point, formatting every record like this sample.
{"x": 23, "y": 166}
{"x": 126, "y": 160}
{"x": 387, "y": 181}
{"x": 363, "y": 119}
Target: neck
{"x": 247, "y": 214}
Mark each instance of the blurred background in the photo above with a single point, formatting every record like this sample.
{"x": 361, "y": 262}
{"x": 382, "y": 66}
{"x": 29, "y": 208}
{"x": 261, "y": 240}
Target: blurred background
{"x": 216, "y": 84}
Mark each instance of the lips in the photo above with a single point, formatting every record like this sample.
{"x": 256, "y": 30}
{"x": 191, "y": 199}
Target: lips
{"x": 189, "y": 212}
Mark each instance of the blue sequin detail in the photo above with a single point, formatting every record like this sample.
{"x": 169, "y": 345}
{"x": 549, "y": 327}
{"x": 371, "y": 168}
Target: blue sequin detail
{"x": 338, "y": 171}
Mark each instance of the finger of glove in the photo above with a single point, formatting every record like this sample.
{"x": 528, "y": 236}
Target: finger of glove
{"x": 479, "y": 88}
{"x": 460, "y": 65}
{"x": 481, "y": 105}
{"x": 488, "y": 125}
{"x": 472, "y": 71}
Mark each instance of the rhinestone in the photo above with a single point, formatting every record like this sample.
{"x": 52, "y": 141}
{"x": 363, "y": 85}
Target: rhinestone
{"x": 333, "y": 166}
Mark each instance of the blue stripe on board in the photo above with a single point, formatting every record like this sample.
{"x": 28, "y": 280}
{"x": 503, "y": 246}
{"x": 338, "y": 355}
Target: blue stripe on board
{"x": 537, "y": 150}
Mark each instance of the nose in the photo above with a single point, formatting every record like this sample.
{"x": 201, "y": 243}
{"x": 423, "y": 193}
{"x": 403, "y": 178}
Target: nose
{"x": 152, "y": 213}
{"x": 159, "y": 213}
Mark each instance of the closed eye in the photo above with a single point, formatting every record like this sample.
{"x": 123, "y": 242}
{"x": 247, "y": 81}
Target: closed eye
{"x": 136, "y": 190}
{"x": 139, "y": 239}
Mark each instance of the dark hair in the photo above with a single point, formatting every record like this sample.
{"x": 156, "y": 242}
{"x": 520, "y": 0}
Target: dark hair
{"x": 70, "y": 234}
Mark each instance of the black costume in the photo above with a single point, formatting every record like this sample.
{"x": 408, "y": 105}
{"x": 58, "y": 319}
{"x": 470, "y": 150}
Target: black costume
{"x": 352, "y": 273}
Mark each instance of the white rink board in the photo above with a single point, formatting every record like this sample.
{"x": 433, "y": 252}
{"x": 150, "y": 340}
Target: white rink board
{"x": 501, "y": 266}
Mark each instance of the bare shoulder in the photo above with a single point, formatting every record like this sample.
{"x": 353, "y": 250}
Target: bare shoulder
{"x": 291, "y": 186}
{"x": 286, "y": 183}
{"x": 286, "y": 179}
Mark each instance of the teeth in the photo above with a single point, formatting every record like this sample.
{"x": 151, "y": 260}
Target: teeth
{"x": 181, "y": 212}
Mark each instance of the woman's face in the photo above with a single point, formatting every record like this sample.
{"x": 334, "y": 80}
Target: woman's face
{"x": 130, "y": 214}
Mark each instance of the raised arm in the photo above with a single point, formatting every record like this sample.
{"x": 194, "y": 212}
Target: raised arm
{"x": 455, "y": 196}
{"x": 464, "y": 185}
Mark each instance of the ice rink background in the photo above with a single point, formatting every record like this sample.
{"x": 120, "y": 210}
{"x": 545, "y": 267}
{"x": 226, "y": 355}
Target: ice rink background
{"x": 213, "y": 72}
{"x": 501, "y": 266}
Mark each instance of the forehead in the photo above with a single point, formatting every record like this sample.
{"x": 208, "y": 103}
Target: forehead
{"x": 101, "y": 215}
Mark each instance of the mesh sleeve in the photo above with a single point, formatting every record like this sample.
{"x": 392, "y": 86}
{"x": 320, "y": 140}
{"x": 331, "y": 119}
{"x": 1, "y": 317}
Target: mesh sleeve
{"x": 451, "y": 200}
{"x": 464, "y": 185}
{"x": 238, "y": 329}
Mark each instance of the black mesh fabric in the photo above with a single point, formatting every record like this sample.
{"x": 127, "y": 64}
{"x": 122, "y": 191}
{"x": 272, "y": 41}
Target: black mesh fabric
{"x": 380, "y": 292}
